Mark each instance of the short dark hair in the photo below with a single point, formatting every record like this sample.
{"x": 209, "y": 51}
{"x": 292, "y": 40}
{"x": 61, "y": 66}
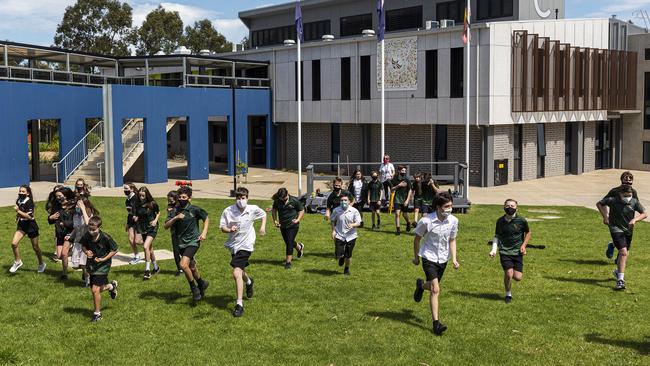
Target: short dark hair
{"x": 173, "y": 194}
{"x": 627, "y": 174}
{"x": 510, "y": 200}
{"x": 443, "y": 198}
{"x": 626, "y": 189}
{"x": 281, "y": 194}
{"x": 185, "y": 190}
{"x": 241, "y": 192}
{"x": 400, "y": 167}
{"x": 95, "y": 220}
{"x": 337, "y": 180}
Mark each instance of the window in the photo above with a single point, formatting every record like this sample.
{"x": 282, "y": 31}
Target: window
{"x": 456, "y": 72}
{"x": 491, "y": 9}
{"x": 431, "y": 74}
{"x": 273, "y": 36}
{"x": 647, "y": 54}
{"x": 441, "y": 143}
{"x": 646, "y": 105}
{"x": 406, "y": 18}
{"x": 182, "y": 129}
{"x": 316, "y": 30}
{"x": 518, "y": 148}
{"x": 345, "y": 78}
{"x": 315, "y": 80}
{"x": 364, "y": 78}
{"x": 302, "y": 79}
{"x": 454, "y": 10}
{"x": 646, "y": 152}
{"x": 335, "y": 135}
{"x": 219, "y": 134}
{"x": 354, "y": 25}
{"x": 541, "y": 150}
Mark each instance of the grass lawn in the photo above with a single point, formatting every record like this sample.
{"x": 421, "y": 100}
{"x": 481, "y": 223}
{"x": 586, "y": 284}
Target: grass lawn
{"x": 564, "y": 312}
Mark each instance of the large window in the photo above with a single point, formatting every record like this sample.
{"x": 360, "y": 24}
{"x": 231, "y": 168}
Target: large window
{"x": 646, "y": 104}
{"x": 302, "y": 80}
{"x": 406, "y": 18}
{"x": 431, "y": 74}
{"x": 345, "y": 79}
{"x": 364, "y": 78}
{"x": 273, "y": 36}
{"x": 441, "y": 143}
{"x": 647, "y": 54}
{"x": 646, "y": 152}
{"x": 453, "y": 10}
{"x": 315, "y": 80}
{"x": 316, "y": 30}
{"x": 354, "y": 25}
{"x": 456, "y": 73}
{"x": 541, "y": 150}
{"x": 490, "y": 9}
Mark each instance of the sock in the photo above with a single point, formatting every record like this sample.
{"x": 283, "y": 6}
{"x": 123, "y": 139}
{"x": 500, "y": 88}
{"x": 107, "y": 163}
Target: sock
{"x": 249, "y": 281}
{"x": 148, "y": 266}
{"x": 97, "y": 313}
{"x": 509, "y": 293}
{"x": 155, "y": 265}
{"x": 240, "y": 302}
{"x": 621, "y": 276}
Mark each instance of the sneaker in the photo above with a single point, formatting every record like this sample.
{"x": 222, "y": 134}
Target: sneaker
{"x": 15, "y": 266}
{"x": 615, "y": 273}
{"x": 249, "y": 289}
{"x": 398, "y": 232}
{"x": 419, "y": 290}
{"x": 287, "y": 265}
{"x": 147, "y": 275}
{"x": 63, "y": 277}
{"x": 346, "y": 271}
{"x": 408, "y": 226}
{"x": 96, "y": 318}
{"x": 620, "y": 285}
{"x": 196, "y": 294}
{"x": 439, "y": 328}
{"x": 341, "y": 261}
{"x": 374, "y": 227}
{"x": 238, "y": 311}
{"x": 54, "y": 258}
{"x": 41, "y": 267}
{"x": 300, "y": 251}
{"x": 610, "y": 250}
{"x": 178, "y": 273}
{"x": 113, "y": 292}
{"x": 155, "y": 271}
{"x": 203, "y": 285}
{"x": 135, "y": 260}
{"x": 87, "y": 282}
{"x": 508, "y": 299}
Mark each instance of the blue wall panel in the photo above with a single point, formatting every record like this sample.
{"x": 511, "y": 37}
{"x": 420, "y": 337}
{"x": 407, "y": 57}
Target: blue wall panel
{"x": 20, "y": 102}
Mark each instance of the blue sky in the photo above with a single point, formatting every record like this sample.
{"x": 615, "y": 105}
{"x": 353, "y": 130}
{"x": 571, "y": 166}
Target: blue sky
{"x": 35, "y": 21}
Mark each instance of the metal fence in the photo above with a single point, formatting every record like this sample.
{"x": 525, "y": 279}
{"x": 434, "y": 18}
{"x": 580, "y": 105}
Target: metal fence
{"x": 80, "y": 152}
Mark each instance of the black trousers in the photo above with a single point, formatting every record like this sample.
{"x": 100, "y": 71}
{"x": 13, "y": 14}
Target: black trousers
{"x": 289, "y": 235}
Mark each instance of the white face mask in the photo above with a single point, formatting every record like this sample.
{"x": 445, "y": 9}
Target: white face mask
{"x": 242, "y": 203}
{"x": 446, "y": 213}
{"x": 627, "y": 199}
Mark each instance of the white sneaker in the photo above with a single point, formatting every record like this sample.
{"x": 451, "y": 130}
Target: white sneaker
{"x": 41, "y": 267}
{"x": 135, "y": 260}
{"x": 15, "y": 267}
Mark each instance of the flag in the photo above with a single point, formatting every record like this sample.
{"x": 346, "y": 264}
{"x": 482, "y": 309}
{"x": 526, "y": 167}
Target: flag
{"x": 382, "y": 20}
{"x": 299, "y": 28}
{"x": 467, "y": 30}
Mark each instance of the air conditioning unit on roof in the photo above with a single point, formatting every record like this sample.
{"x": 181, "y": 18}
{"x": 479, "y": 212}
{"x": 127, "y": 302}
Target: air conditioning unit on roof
{"x": 445, "y": 23}
{"x": 432, "y": 24}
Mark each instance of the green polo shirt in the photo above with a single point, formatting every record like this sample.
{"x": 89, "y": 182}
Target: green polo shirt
{"x": 187, "y": 229}
{"x": 288, "y": 211}
{"x": 511, "y": 234}
{"x": 145, "y": 216}
{"x": 333, "y": 200}
{"x": 621, "y": 213}
{"x": 401, "y": 193}
{"x": 374, "y": 190}
{"x": 424, "y": 193}
{"x": 100, "y": 248}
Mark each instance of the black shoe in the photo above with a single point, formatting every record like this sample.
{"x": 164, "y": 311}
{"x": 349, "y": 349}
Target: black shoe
{"x": 249, "y": 289}
{"x": 300, "y": 251}
{"x": 341, "y": 261}
{"x": 398, "y": 231}
{"x": 346, "y": 271}
{"x": 287, "y": 265}
{"x": 238, "y": 311}
{"x": 374, "y": 227}
{"x": 408, "y": 226}
{"x": 439, "y": 328}
{"x": 155, "y": 271}
{"x": 508, "y": 299}
{"x": 147, "y": 275}
{"x": 63, "y": 277}
{"x": 113, "y": 292}
{"x": 196, "y": 294}
{"x": 419, "y": 290}
{"x": 178, "y": 273}
{"x": 96, "y": 318}
{"x": 203, "y": 285}
{"x": 620, "y": 285}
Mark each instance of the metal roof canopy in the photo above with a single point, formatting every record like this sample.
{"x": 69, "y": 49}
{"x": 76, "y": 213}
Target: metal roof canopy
{"x": 30, "y": 52}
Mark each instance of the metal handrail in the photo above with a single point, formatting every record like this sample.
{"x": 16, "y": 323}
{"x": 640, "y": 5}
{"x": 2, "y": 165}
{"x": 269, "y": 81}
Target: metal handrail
{"x": 99, "y": 167}
{"x": 135, "y": 145}
{"x": 79, "y": 152}
{"x": 226, "y": 81}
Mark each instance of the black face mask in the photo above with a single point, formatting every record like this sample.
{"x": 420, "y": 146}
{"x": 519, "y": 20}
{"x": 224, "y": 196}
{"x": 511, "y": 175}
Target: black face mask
{"x": 337, "y": 189}
{"x": 402, "y": 174}
{"x": 510, "y": 211}
{"x": 183, "y": 203}
{"x": 22, "y": 196}
{"x": 79, "y": 189}
{"x": 374, "y": 177}
{"x": 127, "y": 193}
{"x": 61, "y": 200}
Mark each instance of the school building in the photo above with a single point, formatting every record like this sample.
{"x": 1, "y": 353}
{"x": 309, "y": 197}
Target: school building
{"x": 549, "y": 96}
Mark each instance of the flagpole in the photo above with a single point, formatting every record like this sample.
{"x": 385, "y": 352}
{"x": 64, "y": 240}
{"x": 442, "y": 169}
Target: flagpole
{"x": 383, "y": 98}
{"x": 299, "y": 120}
{"x": 467, "y": 90}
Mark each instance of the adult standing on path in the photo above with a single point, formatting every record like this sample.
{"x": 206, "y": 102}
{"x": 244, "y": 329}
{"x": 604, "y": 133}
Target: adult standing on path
{"x": 387, "y": 172}
{"x": 358, "y": 186}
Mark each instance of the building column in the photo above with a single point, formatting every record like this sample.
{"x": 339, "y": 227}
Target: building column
{"x": 487, "y": 160}
{"x": 578, "y": 148}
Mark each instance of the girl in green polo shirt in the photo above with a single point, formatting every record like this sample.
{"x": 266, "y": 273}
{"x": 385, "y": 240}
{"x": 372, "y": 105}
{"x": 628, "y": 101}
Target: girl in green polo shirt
{"x": 147, "y": 215}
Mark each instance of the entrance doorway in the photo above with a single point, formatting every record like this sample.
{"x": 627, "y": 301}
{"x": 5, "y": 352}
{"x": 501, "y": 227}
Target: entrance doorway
{"x": 177, "y": 147}
{"x": 43, "y": 148}
{"x": 218, "y": 147}
{"x": 257, "y": 140}
{"x": 603, "y": 145}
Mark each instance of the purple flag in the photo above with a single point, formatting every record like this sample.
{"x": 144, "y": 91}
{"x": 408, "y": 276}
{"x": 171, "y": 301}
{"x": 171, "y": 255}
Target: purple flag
{"x": 299, "y": 29}
{"x": 382, "y": 20}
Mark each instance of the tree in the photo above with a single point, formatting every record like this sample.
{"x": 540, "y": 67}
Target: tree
{"x": 161, "y": 31}
{"x": 96, "y": 26}
{"x": 203, "y": 36}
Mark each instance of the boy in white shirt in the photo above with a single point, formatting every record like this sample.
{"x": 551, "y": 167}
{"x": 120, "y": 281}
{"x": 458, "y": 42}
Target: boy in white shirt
{"x": 439, "y": 230}
{"x": 345, "y": 220}
{"x": 237, "y": 221}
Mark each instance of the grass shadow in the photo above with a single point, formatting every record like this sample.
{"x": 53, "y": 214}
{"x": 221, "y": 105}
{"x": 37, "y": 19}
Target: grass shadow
{"x": 479, "y": 295}
{"x": 322, "y": 255}
{"x": 323, "y": 272}
{"x": 584, "y": 281}
{"x": 271, "y": 262}
{"x": 642, "y": 347}
{"x": 220, "y": 301}
{"x": 587, "y": 262}
{"x": 85, "y": 312}
{"x": 168, "y": 297}
{"x": 405, "y": 316}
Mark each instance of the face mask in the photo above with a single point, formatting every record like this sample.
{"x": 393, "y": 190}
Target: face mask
{"x": 127, "y": 193}
{"x": 79, "y": 189}
{"x": 627, "y": 199}
{"x": 402, "y": 174}
{"x": 182, "y": 203}
{"x": 374, "y": 177}
{"x": 446, "y": 213}
{"x": 386, "y": 161}
{"x": 510, "y": 211}
{"x": 336, "y": 189}
{"x": 61, "y": 200}
{"x": 344, "y": 205}
{"x": 22, "y": 196}
{"x": 242, "y": 203}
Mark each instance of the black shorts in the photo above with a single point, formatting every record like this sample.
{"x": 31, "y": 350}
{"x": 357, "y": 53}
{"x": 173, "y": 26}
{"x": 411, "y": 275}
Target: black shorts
{"x": 60, "y": 241}
{"x": 512, "y": 261}
{"x": 240, "y": 259}
{"x": 343, "y": 248}
{"x": 375, "y": 206}
{"x": 622, "y": 240}
{"x": 400, "y": 207}
{"x": 433, "y": 270}
{"x": 30, "y": 228}
{"x": 98, "y": 279}
{"x": 289, "y": 236}
{"x": 423, "y": 207}
{"x": 150, "y": 233}
{"x": 130, "y": 223}
{"x": 189, "y": 251}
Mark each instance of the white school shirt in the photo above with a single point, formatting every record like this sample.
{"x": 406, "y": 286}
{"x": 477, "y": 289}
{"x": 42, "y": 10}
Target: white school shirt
{"x": 436, "y": 235}
{"x": 357, "y": 185}
{"x": 244, "y": 237}
{"x": 387, "y": 171}
{"x": 341, "y": 219}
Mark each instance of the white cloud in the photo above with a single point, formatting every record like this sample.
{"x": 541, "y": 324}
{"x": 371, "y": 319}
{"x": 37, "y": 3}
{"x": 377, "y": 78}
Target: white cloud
{"x": 37, "y": 15}
{"x": 189, "y": 14}
{"x": 233, "y": 29}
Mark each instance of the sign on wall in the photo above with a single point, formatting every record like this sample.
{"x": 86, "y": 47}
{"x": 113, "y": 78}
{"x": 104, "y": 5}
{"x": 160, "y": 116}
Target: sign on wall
{"x": 401, "y": 64}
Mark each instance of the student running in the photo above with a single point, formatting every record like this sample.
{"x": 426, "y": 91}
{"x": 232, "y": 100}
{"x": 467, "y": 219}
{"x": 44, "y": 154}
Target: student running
{"x": 172, "y": 207}
{"x": 147, "y": 215}
{"x": 25, "y": 226}
{"x": 423, "y": 190}
{"x": 358, "y": 187}
{"x": 131, "y": 202}
{"x": 287, "y": 213}
{"x": 345, "y": 221}
{"x": 334, "y": 199}
{"x": 64, "y": 225}
{"x": 373, "y": 198}
{"x": 52, "y": 206}
{"x": 626, "y": 181}
{"x": 401, "y": 186}
{"x": 387, "y": 171}
{"x": 83, "y": 212}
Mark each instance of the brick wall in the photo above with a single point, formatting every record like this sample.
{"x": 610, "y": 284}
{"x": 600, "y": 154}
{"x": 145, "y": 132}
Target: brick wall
{"x": 503, "y": 147}
{"x": 316, "y": 144}
{"x": 351, "y": 143}
{"x": 529, "y": 152}
{"x": 590, "y": 147}
{"x": 456, "y": 150}
{"x": 555, "y": 148}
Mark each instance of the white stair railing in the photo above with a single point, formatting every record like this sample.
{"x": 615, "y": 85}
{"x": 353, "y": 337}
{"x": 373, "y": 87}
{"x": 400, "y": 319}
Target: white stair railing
{"x": 80, "y": 152}
{"x": 127, "y": 150}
